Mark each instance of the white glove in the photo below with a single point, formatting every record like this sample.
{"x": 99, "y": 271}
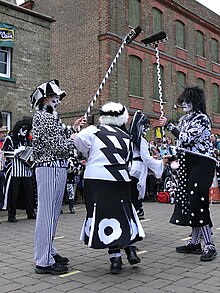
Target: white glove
{"x": 20, "y": 149}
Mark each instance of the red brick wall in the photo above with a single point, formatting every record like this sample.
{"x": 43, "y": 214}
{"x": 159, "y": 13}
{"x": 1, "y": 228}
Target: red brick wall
{"x": 85, "y": 39}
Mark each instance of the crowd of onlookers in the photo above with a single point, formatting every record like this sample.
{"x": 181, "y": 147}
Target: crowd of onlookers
{"x": 168, "y": 181}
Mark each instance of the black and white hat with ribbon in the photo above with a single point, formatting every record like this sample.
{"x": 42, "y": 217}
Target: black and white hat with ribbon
{"x": 46, "y": 89}
{"x": 113, "y": 114}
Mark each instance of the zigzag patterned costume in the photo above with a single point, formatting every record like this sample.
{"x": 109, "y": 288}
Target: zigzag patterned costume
{"x": 111, "y": 220}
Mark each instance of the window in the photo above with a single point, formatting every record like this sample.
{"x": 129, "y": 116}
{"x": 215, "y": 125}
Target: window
{"x": 156, "y": 87}
{"x": 201, "y": 83}
{"x": 215, "y": 54}
{"x": 180, "y": 34}
{"x": 215, "y": 98}
{"x": 5, "y": 61}
{"x": 134, "y": 13}
{"x": 200, "y": 46}
{"x": 135, "y": 79}
{"x": 157, "y": 20}
{"x": 181, "y": 82}
{"x": 6, "y": 119}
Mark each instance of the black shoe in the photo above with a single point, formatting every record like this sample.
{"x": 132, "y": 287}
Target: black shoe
{"x": 31, "y": 217}
{"x": 116, "y": 265}
{"x": 190, "y": 248}
{"x": 55, "y": 269}
{"x": 132, "y": 255}
{"x": 209, "y": 253}
{"x": 60, "y": 259}
{"x": 12, "y": 220}
{"x": 71, "y": 208}
{"x": 140, "y": 214}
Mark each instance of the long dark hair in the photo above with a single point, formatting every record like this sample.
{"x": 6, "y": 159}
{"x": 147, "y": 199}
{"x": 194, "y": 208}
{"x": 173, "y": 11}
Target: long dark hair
{"x": 136, "y": 127}
{"x": 27, "y": 123}
{"x": 194, "y": 95}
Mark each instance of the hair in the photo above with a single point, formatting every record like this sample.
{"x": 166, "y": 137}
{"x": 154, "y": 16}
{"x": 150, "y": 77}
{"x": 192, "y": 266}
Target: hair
{"x": 194, "y": 95}
{"x": 28, "y": 124}
{"x": 113, "y": 114}
{"x": 170, "y": 138}
{"x": 136, "y": 127}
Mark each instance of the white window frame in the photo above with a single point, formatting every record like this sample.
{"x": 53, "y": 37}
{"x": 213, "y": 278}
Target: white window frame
{"x": 8, "y": 62}
{"x": 7, "y": 119}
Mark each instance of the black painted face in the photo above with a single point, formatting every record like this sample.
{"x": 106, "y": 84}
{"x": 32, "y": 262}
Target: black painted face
{"x": 145, "y": 129}
{"x": 23, "y": 131}
{"x": 54, "y": 101}
{"x": 187, "y": 107}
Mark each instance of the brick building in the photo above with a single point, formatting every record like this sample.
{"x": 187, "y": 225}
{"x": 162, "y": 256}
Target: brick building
{"x": 87, "y": 35}
{"x": 24, "y": 58}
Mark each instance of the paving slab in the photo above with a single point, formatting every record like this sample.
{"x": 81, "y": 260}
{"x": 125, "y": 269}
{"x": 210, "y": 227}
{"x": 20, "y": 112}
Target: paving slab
{"x": 161, "y": 269}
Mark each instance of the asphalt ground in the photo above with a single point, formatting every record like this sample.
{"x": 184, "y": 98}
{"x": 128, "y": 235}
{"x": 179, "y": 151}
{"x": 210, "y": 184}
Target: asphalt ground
{"x": 161, "y": 268}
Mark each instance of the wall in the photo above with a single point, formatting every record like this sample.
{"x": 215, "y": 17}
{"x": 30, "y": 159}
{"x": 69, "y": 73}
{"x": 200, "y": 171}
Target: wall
{"x": 30, "y": 59}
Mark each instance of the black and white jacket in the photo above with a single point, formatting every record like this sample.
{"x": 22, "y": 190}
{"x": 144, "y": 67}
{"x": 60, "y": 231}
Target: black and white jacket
{"x": 193, "y": 134}
{"x": 51, "y": 146}
{"x": 108, "y": 149}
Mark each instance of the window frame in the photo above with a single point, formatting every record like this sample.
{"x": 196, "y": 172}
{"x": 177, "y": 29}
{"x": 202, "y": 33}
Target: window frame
{"x": 131, "y": 87}
{"x": 179, "y": 85}
{"x": 6, "y": 119}
{"x": 201, "y": 81}
{"x": 215, "y": 55}
{"x": 183, "y": 38}
{"x": 132, "y": 20}
{"x": 200, "y": 50}
{"x": 215, "y": 99}
{"x": 157, "y": 25}
{"x": 8, "y": 51}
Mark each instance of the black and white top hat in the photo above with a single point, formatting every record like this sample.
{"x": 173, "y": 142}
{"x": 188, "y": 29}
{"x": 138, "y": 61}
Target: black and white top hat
{"x": 45, "y": 89}
{"x": 113, "y": 114}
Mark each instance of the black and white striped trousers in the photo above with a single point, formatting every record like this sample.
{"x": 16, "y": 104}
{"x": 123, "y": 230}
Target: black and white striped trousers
{"x": 50, "y": 187}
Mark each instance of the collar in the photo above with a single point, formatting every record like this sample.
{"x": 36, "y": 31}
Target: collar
{"x": 47, "y": 108}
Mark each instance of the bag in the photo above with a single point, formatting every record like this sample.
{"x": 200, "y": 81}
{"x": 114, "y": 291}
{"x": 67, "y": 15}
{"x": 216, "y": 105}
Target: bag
{"x": 163, "y": 197}
{"x": 26, "y": 156}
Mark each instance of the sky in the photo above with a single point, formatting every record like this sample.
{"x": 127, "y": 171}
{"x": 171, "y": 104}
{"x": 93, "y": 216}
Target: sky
{"x": 214, "y": 5}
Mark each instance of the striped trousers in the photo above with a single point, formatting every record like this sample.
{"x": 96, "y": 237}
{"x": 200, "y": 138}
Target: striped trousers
{"x": 50, "y": 188}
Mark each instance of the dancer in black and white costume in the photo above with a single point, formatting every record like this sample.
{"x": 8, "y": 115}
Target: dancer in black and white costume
{"x": 111, "y": 221}
{"x": 196, "y": 171}
{"x": 74, "y": 167}
{"x": 142, "y": 160}
{"x": 18, "y": 189}
{"x": 51, "y": 149}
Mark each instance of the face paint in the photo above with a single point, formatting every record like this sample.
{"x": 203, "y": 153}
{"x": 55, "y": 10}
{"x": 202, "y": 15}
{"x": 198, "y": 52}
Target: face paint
{"x": 145, "y": 129}
{"x": 53, "y": 101}
{"x": 187, "y": 107}
{"x": 23, "y": 131}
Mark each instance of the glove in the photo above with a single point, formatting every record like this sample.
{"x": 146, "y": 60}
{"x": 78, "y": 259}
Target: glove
{"x": 20, "y": 149}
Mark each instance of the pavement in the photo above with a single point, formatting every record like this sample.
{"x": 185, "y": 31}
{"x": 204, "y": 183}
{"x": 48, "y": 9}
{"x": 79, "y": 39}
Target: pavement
{"x": 161, "y": 269}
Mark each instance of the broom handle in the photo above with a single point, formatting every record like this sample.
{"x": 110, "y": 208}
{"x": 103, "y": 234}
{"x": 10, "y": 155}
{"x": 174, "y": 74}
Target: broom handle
{"x": 132, "y": 34}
